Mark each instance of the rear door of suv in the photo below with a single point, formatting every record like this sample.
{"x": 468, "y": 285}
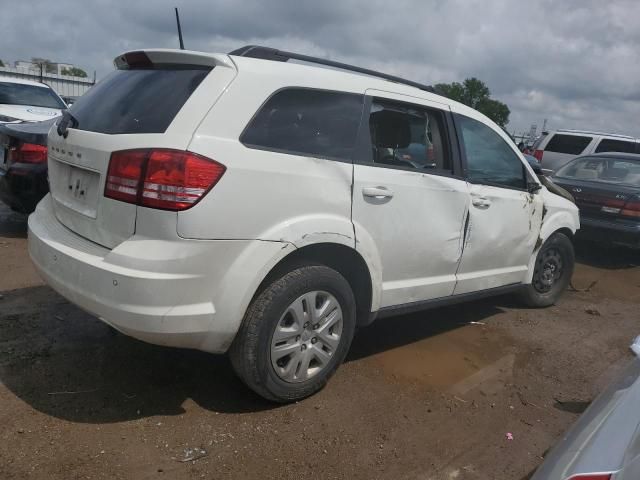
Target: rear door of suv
{"x": 409, "y": 200}
{"x": 155, "y": 99}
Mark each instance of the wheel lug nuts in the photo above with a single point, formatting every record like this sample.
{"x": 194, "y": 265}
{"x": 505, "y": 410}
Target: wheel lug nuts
{"x": 298, "y": 338}
{"x": 314, "y": 340}
{"x": 304, "y": 347}
{"x": 306, "y": 325}
{"x": 315, "y": 327}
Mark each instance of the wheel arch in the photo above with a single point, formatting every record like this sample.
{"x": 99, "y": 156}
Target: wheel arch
{"x": 345, "y": 260}
{"x": 560, "y": 222}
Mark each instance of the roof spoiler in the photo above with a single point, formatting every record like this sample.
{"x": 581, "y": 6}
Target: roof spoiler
{"x": 148, "y": 58}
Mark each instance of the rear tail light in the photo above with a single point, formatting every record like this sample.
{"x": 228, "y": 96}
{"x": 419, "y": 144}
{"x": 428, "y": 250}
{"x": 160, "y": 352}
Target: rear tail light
{"x": 631, "y": 208}
{"x": 28, "y": 153}
{"x": 538, "y": 155}
{"x": 591, "y": 476}
{"x": 161, "y": 178}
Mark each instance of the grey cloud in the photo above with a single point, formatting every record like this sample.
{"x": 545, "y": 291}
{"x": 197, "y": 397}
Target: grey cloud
{"x": 573, "y": 62}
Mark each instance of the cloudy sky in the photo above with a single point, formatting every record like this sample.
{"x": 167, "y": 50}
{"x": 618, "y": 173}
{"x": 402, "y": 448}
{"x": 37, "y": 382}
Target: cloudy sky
{"x": 575, "y": 63}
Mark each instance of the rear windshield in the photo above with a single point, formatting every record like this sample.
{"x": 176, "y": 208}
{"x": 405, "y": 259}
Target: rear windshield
{"x": 603, "y": 169}
{"x": 136, "y": 101}
{"x": 20, "y": 94}
{"x": 570, "y": 144}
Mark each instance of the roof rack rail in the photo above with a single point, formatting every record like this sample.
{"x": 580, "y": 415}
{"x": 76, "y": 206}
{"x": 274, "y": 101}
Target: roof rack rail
{"x": 267, "y": 53}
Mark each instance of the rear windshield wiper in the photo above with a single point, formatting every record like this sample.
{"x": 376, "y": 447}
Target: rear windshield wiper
{"x": 67, "y": 120}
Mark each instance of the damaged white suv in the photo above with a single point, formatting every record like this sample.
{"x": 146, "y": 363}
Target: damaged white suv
{"x": 267, "y": 208}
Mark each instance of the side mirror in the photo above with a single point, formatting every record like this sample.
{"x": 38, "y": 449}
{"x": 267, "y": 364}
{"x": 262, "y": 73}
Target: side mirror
{"x": 533, "y": 187}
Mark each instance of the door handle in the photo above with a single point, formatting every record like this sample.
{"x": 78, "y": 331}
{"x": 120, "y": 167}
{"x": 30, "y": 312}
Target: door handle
{"x": 481, "y": 202}
{"x": 377, "y": 192}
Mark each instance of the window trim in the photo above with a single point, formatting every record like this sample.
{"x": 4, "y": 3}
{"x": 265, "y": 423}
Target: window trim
{"x": 263, "y": 148}
{"x": 463, "y": 155}
{"x": 363, "y": 150}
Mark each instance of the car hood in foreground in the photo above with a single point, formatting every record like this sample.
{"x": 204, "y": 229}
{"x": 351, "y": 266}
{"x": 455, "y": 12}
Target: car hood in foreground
{"x": 29, "y": 113}
{"x": 606, "y": 438}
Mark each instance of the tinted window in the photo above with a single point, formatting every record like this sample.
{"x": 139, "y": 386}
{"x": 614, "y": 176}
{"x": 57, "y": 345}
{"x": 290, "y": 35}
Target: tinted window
{"x": 603, "y": 169}
{"x": 136, "y": 101}
{"x": 408, "y": 136}
{"x": 609, "y": 145}
{"x": 490, "y": 160}
{"x": 20, "y": 94}
{"x": 307, "y": 122}
{"x": 570, "y": 144}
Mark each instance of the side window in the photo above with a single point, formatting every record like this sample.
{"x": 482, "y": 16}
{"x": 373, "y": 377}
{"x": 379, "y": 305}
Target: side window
{"x": 490, "y": 160}
{"x": 569, "y": 144}
{"x": 610, "y": 145}
{"x": 307, "y": 122}
{"x": 408, "y": 136}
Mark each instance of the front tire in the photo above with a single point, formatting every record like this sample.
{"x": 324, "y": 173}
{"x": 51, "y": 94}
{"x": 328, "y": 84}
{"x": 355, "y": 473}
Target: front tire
{"x": 295, "y": 334}
{"x": 552, "y": 273}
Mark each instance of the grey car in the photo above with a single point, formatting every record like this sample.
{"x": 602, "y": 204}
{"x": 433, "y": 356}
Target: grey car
{"x": 604, "y": 444}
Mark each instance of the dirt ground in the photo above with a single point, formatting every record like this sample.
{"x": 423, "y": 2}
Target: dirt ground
{"x": 427, "y": 396}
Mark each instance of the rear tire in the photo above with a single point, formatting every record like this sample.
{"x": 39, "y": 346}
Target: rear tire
{"x": 295, "y": 334}
{"x": 552, "y": 272}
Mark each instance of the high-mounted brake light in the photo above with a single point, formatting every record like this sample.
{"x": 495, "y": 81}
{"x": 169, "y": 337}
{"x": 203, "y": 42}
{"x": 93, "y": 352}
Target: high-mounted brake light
{"x": 137, "y": 60}
{"x": 161, "y": 178}
{"x": 538, "y": 155}
{"x": 28, "y": 153}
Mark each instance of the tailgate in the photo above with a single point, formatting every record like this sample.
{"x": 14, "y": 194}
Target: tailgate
{"x": 155, "y": 99}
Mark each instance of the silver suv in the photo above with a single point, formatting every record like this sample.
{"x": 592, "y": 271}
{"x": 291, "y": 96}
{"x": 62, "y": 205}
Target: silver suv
{"x": 555, "y": 149}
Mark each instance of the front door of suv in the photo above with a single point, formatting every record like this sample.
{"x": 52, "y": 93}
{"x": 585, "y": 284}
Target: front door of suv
{"x": 409, "y": 206}
{"x": 504, "y": 218}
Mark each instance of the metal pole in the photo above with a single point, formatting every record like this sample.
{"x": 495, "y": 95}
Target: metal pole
{"x": 179, "y": 29}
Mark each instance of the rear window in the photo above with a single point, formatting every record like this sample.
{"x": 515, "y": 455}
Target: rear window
{"x": 603, "y": 169}
{"x": 307, "y": 122}
{"x": 609, "y": 145}
{"x": 137, "y": 101}
{"x": 570, "y": 144}
{"x": 20, "y": 94}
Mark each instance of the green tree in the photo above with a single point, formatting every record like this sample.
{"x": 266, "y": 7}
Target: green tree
{"x": 1, "y": 63}
{"x": 74, "y": 72}
{"x": 476, "y": 94}
{"x": 47, "y": 65}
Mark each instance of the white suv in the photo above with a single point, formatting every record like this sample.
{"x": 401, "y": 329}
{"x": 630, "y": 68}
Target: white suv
{"x": 557, "y": 148}
{"x": 267, "y": 208}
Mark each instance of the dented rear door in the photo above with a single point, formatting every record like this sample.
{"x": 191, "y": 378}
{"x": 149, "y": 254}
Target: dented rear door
{"x": 407, "y": 213}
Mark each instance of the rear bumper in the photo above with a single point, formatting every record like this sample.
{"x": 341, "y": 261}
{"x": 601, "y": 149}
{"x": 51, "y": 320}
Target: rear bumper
{"x": 23, "y": 186}
{"x": 178, "y": 293}
{"x": 627, "y": 233}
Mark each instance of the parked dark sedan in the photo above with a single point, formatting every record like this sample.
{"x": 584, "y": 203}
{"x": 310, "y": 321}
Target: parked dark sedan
{"x": 606, "y": 188}
{"x": 23, "y": 164}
